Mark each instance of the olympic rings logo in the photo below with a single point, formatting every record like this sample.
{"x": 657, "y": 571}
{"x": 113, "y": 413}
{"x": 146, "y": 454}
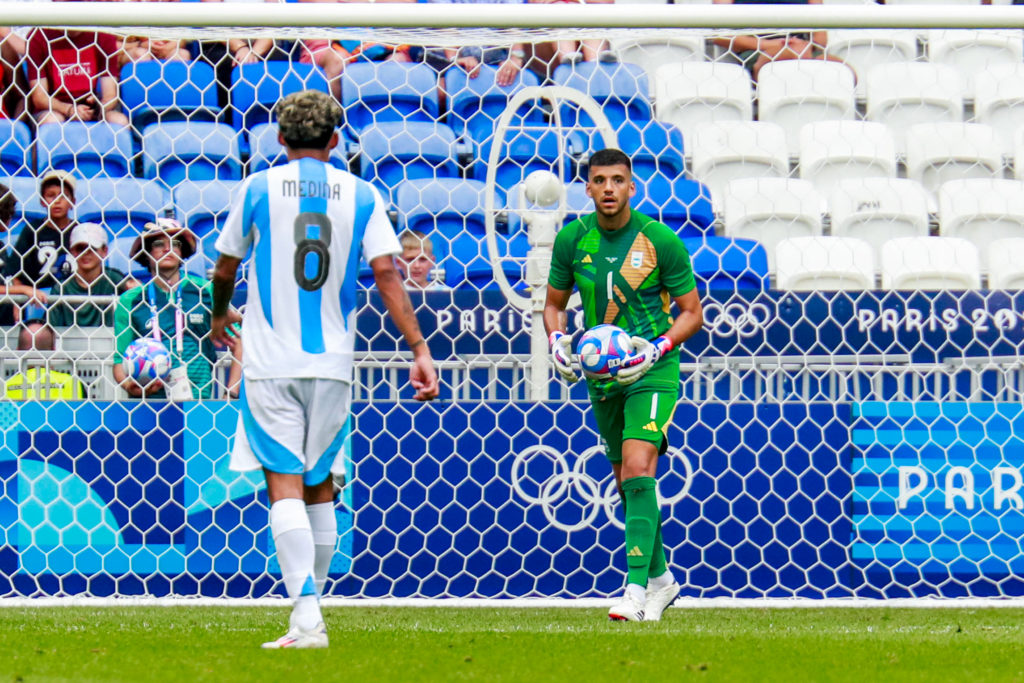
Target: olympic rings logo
{"x": 740, "y": 319}
{"x": 575, "y": 485}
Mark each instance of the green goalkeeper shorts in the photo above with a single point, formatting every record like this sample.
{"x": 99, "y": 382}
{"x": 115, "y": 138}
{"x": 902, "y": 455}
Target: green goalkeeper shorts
{"x": 636, "y": 412}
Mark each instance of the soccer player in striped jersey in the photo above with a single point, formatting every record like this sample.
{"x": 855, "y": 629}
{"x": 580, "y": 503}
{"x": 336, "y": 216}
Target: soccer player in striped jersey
{"x": 629, "y": 269}
{"x": 307, "y": 224}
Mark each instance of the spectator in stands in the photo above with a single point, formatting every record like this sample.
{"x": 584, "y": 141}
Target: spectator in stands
{"x": 417, "y": 262}
{"x": 39, "y": 258}
{"x": 546, "y": 57}
{"x": 179, "y": 305}
{"x": 9, "y": 313}
{"x": 39, "y": 382}
{"x": 91, "y": 278}
{"x": 754, "y": 51}
{"x": 71, "y": 76}
{"x": 146, "y": 49}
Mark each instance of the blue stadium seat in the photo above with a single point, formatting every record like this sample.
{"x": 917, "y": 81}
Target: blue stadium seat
{"x": 29, "y": 207}
{"x": 655, "y": 150}
{"x": 686, "y": 208}
{"x": 256, "y": 88}
{"x": 117, "y": 257}
{"x": 88, "y": 150}
{"x": 15, "y": 148}
{"x": 374, "y": 92}
{"x": 477, "y": 103}
{"x": 203, "y": 206}
{"x": 471, "y": 252}
{"x": 266, "y": 151}
{"x": 168, "y": 91}
{"x": 728, "y": 264}
{"x": 187, "y": 150}
{"x": 394, "y": 151}
{"x": 124, "y": 205}
{"x": 523, "y": 152}
{"x": 620, "y": 89}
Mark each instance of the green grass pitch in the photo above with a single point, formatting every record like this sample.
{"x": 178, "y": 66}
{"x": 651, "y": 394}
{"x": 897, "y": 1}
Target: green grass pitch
{"x": 510, "y": 644}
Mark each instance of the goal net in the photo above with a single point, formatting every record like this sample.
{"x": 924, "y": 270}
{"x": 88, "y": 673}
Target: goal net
{"x": 850, "y": 196}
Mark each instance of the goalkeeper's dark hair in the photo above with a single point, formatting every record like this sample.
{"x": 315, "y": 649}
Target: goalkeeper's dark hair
{"x": 609, "y": 157}
{"x": 307, "y": 119}
{"x": 7, "y": 205}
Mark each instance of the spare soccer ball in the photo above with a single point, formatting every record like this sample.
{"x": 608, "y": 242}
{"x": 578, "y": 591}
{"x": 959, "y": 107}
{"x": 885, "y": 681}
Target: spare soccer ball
{"x": 542, "y": 188}
{"x": 146, "y": 359}
{"x": 601, "y": 350}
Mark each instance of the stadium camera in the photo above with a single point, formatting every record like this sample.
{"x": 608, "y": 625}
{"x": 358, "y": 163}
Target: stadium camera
{"x": 542, "y": 188}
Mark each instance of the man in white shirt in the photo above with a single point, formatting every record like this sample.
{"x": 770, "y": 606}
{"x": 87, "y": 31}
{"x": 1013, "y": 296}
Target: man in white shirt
{"x": 307, "y": 224}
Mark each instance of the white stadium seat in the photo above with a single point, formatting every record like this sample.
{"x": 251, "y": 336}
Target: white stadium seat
{"x": 1006, "y": 263}
{"x": 824, "y": 264}
{"x": 794, "y": 92}
{"x": 999, "y": 100}
{"x": 940, "y": 152}
{"x": 982, "y": 211}
{"x": 692, "y": 93}
{"x": 832, "y": 151}
{"x": 864, "y": 49}
{"x": 973, "y": 52}
{"x": 901, "y": 95}
{"x": 770, "y": 210}
{"x": 738, "y": 149}
{"x": 1018, "y": 153}
{"x": 878, "y": 209}
{"x": 930, "y": 263}
{"x": 650, "y": 53}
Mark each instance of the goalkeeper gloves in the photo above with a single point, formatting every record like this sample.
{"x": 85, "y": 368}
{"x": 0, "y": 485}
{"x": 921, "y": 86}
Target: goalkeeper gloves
{"x": 645, "y": 354}
{"x": 561, "y": 355}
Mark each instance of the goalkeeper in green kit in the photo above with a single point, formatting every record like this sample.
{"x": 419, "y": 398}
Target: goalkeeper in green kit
{"x": 629, "y": 269}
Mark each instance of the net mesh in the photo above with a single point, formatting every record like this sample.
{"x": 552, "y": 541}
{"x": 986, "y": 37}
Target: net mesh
{"x": 847, "y": 421}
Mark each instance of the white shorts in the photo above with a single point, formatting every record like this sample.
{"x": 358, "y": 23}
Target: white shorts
{"x": 293, "y": 426}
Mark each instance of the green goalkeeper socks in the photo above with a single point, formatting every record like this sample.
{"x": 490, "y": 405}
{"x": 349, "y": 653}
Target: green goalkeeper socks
{"x": 642, "y": 526}
{"x": 658, "y": 564}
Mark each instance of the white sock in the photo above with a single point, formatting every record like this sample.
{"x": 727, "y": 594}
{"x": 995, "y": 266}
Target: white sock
{"x": 293, "y": 537}
{"x": 638, "y": 592}
{"x": 325, "y": 537}
{"x": 658, "y": 582}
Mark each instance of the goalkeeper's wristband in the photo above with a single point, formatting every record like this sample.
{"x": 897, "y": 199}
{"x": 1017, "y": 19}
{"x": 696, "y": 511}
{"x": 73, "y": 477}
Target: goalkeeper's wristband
{"x": 554, "y": 337}
{"x": 663, "y": 344}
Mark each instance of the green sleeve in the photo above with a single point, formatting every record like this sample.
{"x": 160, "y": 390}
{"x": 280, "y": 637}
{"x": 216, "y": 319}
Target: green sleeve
{"x": 123, "y": 332}
{"x": 562, "y": 254}
{"x": 673, "y": 262}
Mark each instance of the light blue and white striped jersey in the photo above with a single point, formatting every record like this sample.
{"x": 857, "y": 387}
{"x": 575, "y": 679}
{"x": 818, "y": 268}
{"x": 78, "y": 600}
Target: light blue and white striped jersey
{"x": 308, "y": 223}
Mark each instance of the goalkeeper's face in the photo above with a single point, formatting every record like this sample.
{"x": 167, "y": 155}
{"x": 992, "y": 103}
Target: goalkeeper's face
{"x": 611, "y": 188}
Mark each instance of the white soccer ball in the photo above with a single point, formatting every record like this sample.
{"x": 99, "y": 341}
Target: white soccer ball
{"x": 542, "y": 188}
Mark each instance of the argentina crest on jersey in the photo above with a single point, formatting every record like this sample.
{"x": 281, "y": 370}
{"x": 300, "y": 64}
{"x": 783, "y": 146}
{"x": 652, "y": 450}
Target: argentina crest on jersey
{"x": 636, "y": 259}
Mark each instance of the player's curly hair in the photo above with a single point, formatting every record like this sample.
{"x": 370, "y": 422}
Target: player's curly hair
{"x": 307, "y": 119}
{"x": 7, "y": 205}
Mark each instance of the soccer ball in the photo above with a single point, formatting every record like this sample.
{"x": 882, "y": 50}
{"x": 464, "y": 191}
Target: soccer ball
{"x": 542, "y": 188}
{"x": 601, "y": 350}
{"x": 146, "y": 359}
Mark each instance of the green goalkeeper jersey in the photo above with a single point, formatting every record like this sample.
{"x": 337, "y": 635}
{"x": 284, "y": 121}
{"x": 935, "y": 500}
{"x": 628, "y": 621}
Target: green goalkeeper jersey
{"x": 626, "y": 277}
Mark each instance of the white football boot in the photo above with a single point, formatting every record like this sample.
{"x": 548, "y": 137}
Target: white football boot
{"x": 299, "y": 638}
{"x": 658, "y": 600}
{"x": 628, "y": 608}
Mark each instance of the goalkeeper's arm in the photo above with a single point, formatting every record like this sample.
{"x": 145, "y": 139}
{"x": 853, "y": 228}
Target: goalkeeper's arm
{"x": 648, "y": 352}
{"x": 559, "y": 342}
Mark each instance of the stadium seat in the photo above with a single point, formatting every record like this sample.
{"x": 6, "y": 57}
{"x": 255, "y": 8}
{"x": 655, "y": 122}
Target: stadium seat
{"x": 15, "y": 148}
{"x": 940, "y": 152}
{"x": 982, "y": 211}
{"x": 824, "y": 264}
{"x": 833, "y": 151}
{"x": 117, "y": 257}
{"x": 722, "y": 152}
{"x": 393, "y": 151}
{"x": 190, "y": 150}
{"x": 1006, "y": 263}
{"x": 692, "y": 93}
{"x": 999, "y": 100}
{"x": 901, "y": 95}
{"x": 168, "y": 91}
{"x": 655, "y": 150}
{"x": 203, "y": 206}
{"x": 476, "y": 104}
{"x": 265, "y": 150}
{"x": 375, "y": 92}
{"x": 973, "y": 52}
{"x": 621, "y": 90}
{"x": 525, "y": 151}
{"x": 930, "y": 263}
{"x": 650, "y": 53}
{"x": 257, "y": 87}
{"x": 28, "y": 207}
{"x": 478, "y": 268}
{"x": 795, "y": 92}
{"x": 770, "y": 210}
{"x": 864, "y": 49}
{"x": 723, "y": 264}
{"x": 686, "y": 209}
{"x": 878, "y": 209}
{"x": 86, "y": 149}
{"x": 123, "y": 205}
